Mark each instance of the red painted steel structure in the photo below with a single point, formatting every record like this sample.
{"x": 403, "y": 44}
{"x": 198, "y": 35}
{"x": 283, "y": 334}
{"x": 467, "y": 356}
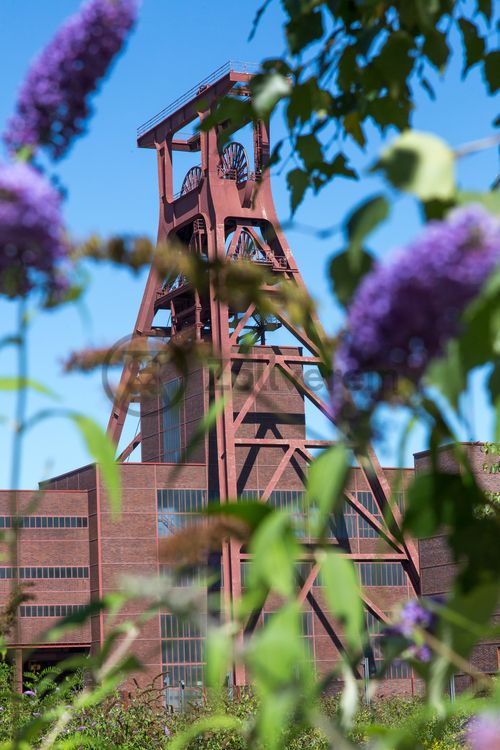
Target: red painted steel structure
{"x": 225, "y": 210}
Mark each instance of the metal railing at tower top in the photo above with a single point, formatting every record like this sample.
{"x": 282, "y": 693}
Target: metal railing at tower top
{"x": 230, "y": 66}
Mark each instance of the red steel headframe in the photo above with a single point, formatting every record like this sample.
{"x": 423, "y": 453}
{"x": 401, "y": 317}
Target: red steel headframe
{"x": 223, "y": 189}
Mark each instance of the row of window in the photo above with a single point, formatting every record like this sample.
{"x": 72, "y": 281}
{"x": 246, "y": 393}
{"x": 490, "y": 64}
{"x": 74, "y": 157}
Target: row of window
{"x": 381, "y": 574}
{"x": 49, "y": 610}
{"x": 176, "y": 506}
{"x": 173, "y": 627}
{"x": 181, "y": 501}
{"x": 370, "y": 573}
{"x": 191, "y": 676}
{"x": 186, "y": 578}
{"x": 44, "y": 522}
{"x": 45, "y": 572}
{"x": 54, "y": 572}
{"x": 183, "y": 652}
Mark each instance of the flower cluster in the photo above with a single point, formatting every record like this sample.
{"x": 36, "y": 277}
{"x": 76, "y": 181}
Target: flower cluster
{"x": 404, "y": 313}
{"x": 32, "y": 245}
{"x": 484, "y": 732}
{"x": 53, "y": 102}
{"x": 414, "y": 616}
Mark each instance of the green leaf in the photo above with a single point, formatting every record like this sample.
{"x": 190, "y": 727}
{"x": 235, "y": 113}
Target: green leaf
{"x": 485, "y": 7}
{"x": 490, "y": 200}
{"x": 16, "y": 384}
{"x": 388, "y": 110}
{"x": 339, "y": 166}
{"x": 274, "y": 550}
{"x": 325, "y": 484}
{"x": 303, "y": 29}
{"x": 306, "y": 99}
{"x": 436, "y": 48}
{"x": 492, "y": 71}
{"x": 366, "y": 218}
{"x": 395, "y": 61}
{"x": 347, "y": 270}
{"x": 102, "y": 450}
{"x": 252, "y": 513}
{"x": 451, "y": 501}
{"x": 218, "y": 654}
{"x": 267, "y": 91}
{"x": 352, "y": 125}
{"x": 419, "y": 163}
{"x": 310, "y": 151}
{"x": 298, "y": 182}
{"x": 473, "y": 44}
{"x": 448, "y": 374}
{"x": 343, "y": 595}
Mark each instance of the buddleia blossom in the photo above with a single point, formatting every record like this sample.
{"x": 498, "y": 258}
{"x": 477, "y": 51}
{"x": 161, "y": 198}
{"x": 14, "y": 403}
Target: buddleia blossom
{"x": 53, "y": 103}
{"x": 415, "y": 616}
{"x": 484, "y": 732}
{"x": 32, "y": 246}
{"x": 405, "y": 312}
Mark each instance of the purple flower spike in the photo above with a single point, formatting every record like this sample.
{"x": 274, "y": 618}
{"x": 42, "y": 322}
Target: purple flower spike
{"x": 404, "y": 313}
{"x": 412, "y": 616}
{"x": 32, "y": 247}
{"x": 484, "y": 732}
{"x": 30, "y": 693}
{"x": 53, "y": 102}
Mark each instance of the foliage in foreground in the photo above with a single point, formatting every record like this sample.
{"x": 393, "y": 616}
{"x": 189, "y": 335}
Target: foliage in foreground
{"x": 142, "y": 722}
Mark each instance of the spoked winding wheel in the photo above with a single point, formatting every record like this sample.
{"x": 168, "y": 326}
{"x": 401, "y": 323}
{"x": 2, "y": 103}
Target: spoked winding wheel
{"x": 191, "y": 180}
{"x": 234, "y": 163}
{"x": 246, "y": 248}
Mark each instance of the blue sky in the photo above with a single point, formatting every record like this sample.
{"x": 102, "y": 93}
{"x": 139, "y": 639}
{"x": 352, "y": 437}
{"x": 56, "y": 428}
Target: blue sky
{"x": 112, "y": 189}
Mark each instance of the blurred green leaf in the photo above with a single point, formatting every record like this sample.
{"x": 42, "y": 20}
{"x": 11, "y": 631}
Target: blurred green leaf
{"x": 419, "y": 163}
{"x": 303, "y": 29}
{"x": 449, "y": 503}
{"x": 15, "y": 384}
{"x": 436, "y": 48}
{"x": 365, "y": 218}
{"x": 486, "y": 8}
{"x": 309, "y": 149}
{"x": 473, "y": 44}
{"x": 267, "y": 91}
{"x": 219, "y": 656}
{"x": 274, "y": 549}
{"x": 347, "y": 270}
{"x": 490, "y": 200}
{"x": 343, "y": 594}
{"x": 325, "y": 485}
{"x": 449, "y": 374}
{"x": 298, "y": 182}
{"x": 102, "y": 449}
{"x": 492, "y": 71}
{"x": 252, "y": 513}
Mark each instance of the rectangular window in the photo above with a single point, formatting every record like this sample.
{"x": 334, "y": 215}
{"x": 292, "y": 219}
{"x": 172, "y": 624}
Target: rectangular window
{"x": 178, "y": 508}
{"x": 172, "y": 422}
{"x": 381, "y": 574}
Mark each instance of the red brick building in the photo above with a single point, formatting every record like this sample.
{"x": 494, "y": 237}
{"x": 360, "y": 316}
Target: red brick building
{"x": 436, "y": 566}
